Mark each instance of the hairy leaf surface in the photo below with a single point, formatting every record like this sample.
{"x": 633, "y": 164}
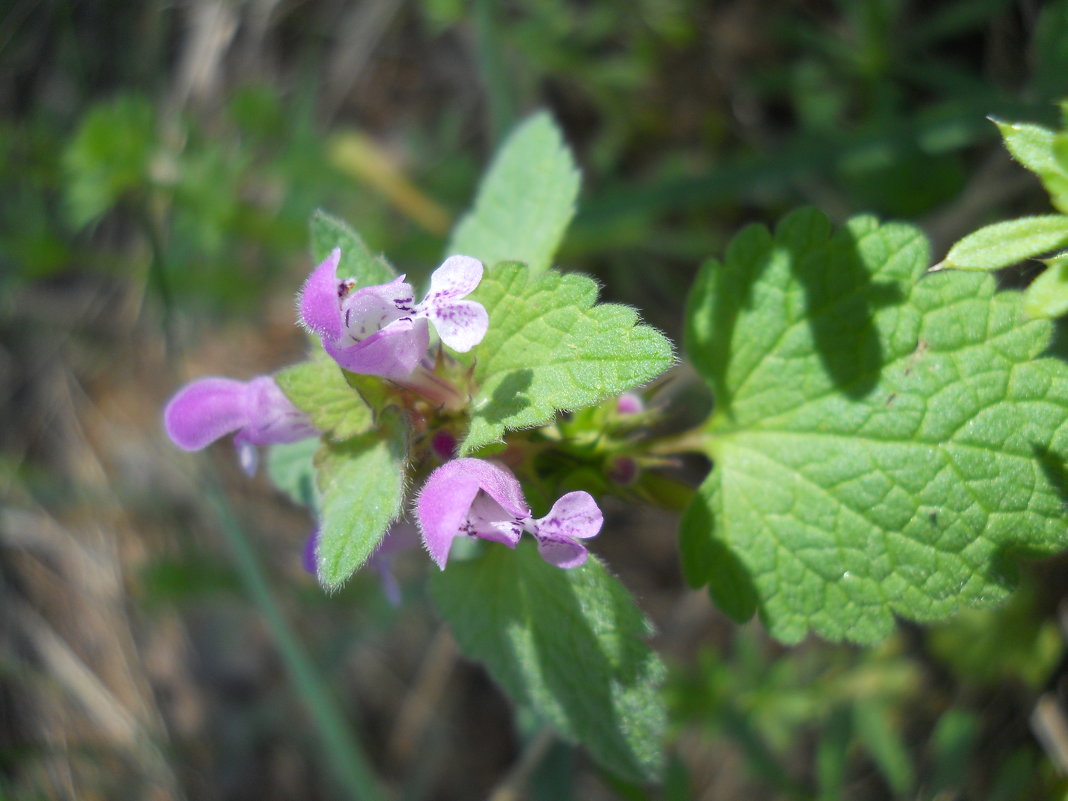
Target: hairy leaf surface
{"x": 567, "y": 643}
{"x": 884, "y": 442}
{"x": 525, "y": 201}
{"x": 361, "y": 484}
{"x": 550, "y": 346}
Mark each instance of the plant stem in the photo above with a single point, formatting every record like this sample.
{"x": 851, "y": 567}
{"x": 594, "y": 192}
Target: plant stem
{"x": 345, "y": 755}
{"x": 693, "y": 441}
{"x": 488, "y": 49}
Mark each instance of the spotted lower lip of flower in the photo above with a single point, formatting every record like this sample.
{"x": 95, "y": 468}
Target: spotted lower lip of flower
{"x": 379, "y": 330}
{"x": 257, "y": 412}
{"x": 480, "y": 499}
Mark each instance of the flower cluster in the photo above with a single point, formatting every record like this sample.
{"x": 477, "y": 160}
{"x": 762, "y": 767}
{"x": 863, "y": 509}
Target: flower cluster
{"x": 379, "y": 330}
{"x": 376, "y": 330}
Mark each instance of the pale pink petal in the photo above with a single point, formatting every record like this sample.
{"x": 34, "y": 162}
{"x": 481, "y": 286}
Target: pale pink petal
{"x": 457, "y": 276}
{"x": 370, "y": 309}
{"x": 461, "y": 324}
{"x": 488, "y": 520}
{"x": 562, "y": 552}
{"x": 574, "y": 515}
{"x": 319, "y": 300}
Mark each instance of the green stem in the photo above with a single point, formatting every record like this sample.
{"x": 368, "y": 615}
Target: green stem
{"x": 499, "y": 93}
{"x": 345, "y": 755}
{"x": 695, "y": 440}
{"x": 157, "y": 274}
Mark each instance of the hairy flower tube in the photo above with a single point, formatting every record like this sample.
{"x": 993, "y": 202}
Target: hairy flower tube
{"x": 376, "y": 330}
{"x": 480, "y": 499}
{"x": 256, "y": 411}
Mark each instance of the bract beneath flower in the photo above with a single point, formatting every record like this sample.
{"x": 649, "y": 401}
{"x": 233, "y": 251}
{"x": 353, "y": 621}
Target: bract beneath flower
{"x": 257, "y": 412}
{"x": 379, "y": 330}
{"x": 480, "y": 499}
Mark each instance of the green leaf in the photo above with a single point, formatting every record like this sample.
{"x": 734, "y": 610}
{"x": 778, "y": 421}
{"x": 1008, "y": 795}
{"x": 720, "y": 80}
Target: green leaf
{"x": 876, "y": 730}
{"x": 319, "y": 388}
{"x": 108, "y": 157}
{"x": 1005, "y": 243}
{"x": 328, "y": 232}
{"x": 1034, "y": 147}
{"x": 883, "y": 442}
{"x": 549, "y": 347}
{"x": 290, "y": 468}
{"x": 567, "y": 643}
{"x": 361, "y": 483}
{"x": 1048, "y": 294}
{"x": 525, "y": 201}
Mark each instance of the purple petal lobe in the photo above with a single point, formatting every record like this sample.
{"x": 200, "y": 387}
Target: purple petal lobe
{"x": 392, "y": 352}
{"x": 205, "y": 410}
{"x": 442, "y": 508}
{"x": 562, "y": 552}
{"x": 307, "y": 556}
{"x": 457, "y": 276}
{"x": 461, "y": 324}
{"x": 469, "y": 496}
{"x": 319, "y": 300}
{"x": 272, "y": 416}
{"x": 573, "y": 515}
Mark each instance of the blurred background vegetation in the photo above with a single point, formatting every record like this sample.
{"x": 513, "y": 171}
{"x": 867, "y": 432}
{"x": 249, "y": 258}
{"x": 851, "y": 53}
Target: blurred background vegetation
{"x": 159, "y": 163}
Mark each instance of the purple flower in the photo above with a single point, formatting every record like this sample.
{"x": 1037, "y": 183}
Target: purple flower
{"x": 484, "y": 500}
{"x": 376, "y": 330}
{"x": 256, "y": 411}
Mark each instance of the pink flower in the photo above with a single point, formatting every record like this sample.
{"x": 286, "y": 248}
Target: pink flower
{"x": 256, "y": 411}
{"x": 376, "y": 330}
{"x": 481, "y": 499}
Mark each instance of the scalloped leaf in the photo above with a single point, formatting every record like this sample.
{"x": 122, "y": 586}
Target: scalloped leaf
{"x": 883, "y": 442}
{"x": 550, "y": 347}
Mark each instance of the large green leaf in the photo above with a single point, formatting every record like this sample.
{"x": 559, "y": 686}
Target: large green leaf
{"x": 549, "y": 347}
{"x": 567, "y": 643}
{"x": 361, "y": 484}
{"x": 883, "y": 443}
{"x": 525, "y": 201}
{"x": 357, "y": 262}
